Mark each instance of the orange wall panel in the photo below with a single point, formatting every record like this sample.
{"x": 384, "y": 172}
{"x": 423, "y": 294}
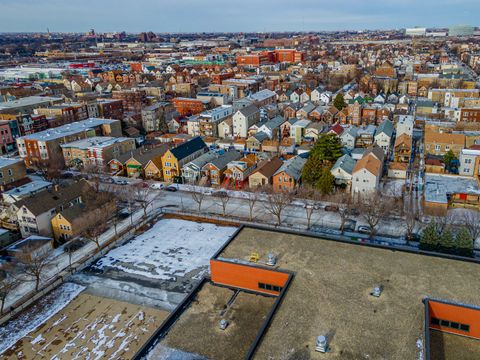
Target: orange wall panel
{"x": 459, "y": 314}
{"x": 245, "y": 277}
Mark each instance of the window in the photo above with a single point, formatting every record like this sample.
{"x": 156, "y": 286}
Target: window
{"x": 450, "y": 324}
{"x": 437, "y": 147}
{"x": 10, "y": 172}
{"x": 269, "y": 287}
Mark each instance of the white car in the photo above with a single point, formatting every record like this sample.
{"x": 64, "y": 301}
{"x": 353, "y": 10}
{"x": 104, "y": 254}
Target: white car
{"x": 157, "y": 186}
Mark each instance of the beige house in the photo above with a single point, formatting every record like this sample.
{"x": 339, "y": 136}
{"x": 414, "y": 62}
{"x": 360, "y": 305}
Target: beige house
{"x": 11, "y": 170}
{"x": 264, "y": 173}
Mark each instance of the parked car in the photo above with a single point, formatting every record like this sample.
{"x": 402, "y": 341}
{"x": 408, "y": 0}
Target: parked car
{"x": 349, "y": 225}
{"x": 171, "y": 188}
{"x": 220, "y": 193}
{"x": 333, "y": 208}
{"x": 363, "y": 229}
{"x": 157, "y": 186}
{"x": 120, "y": 182}
{"x": 67, "y": 175}
{"x": 353, "y": 212}
{"x": 123, "y": 214}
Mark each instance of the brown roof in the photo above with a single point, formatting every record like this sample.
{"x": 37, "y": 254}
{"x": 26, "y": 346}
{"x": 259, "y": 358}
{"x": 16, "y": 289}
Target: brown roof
{"x": 376, "y": 151}
{"x": 269, "y": 168}
{"x": 403, "y": 139}
{"x": 50, "y": 199}
{"x": 444, "y": 138}
{"x": 268, "y": 142}
{"x": 397, "y": 166}
{"x": 370, "y": 163}
{"x": 286, "y": 142}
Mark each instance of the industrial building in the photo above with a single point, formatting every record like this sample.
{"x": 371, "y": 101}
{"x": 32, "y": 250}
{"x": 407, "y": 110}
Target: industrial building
{"x": 281, "y": 295}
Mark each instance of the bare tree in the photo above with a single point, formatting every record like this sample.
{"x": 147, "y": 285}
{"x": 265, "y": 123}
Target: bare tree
{"x": 95, "y": 224}
{"x": 144, "y": 196}
{"x": 128, "y": 197}
{"x": 471, "y": 220}
{"x": 373, "y": 208}
{"x": 70, "y": 248}
{"x": 309, "y": 197}
{"x": 252, "y": 196}
{"x": 445, "y": 221}
{"x": 8, "y": 283}
{"x": 94, "y": 175}
{"x": 198, "y": 195}
{"x": 222, "y": 198}
{"x": 51, "y": 169}
{"x": 346, "y": 205}
{"x": 276, "y": 203}
{"x": 411, "y": 217}
{"x": 33, "y": 263}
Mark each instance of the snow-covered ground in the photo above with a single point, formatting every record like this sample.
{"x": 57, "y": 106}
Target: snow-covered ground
{"x": 38, "y": 314}
{"x": 169, "y": 249}
{"x": 393, "y": 187}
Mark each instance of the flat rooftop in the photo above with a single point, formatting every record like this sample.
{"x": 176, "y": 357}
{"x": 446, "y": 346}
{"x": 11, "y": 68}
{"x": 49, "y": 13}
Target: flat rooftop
{"x": 68, "y": 129}
{"x": 6, "y": 161}
{"x": 97, "y": 142}
{"x": 445, "y": 346}
{"x": 34, "y": 186}
{"x": 330, "y": 294}
{"x": 437, "y": 187}
{"x": 197, "y": 332}
{"x": 28, "y": 101}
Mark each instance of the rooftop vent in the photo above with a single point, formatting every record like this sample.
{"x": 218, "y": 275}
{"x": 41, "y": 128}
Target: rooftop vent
{"x": 377, "y": 291}
{"x": 272, "y": 259}
{"x": 322, "y": 344}
{"x": 223, "y": 324}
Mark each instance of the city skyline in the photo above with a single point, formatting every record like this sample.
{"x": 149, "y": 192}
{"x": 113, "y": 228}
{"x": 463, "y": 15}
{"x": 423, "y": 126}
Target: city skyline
{"x": 214, "y": 16}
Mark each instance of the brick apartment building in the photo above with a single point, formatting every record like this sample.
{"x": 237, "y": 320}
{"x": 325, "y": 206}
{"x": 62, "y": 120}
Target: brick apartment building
{"x": 132, "y": 100}
{"x": 110, "y": 109}
{"x": 44, "y": 147}
{"x": 188, "y": 106}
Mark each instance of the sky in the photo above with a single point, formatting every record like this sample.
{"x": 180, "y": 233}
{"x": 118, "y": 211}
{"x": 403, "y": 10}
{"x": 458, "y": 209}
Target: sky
{"x": 231, "y": 16}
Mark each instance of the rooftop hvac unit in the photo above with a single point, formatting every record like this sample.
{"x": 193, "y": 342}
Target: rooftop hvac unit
{"x": 223, "y": 324}
{"x": 377, "y": 291}
{"x": 322, "y": 344}
{"x": 272, "y": 259}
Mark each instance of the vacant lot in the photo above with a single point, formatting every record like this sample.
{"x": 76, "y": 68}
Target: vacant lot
{"x": 172, "y": 248}
{"x": 90, "y": 327}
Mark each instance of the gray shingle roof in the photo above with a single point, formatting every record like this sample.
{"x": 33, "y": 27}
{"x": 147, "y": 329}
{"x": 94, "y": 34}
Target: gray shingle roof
{"x": 249, "y": 110}
{"x": 293, "y": 167}
{"x": 221, "y": 161}
{"x": 385, "y": 127}
{"x": 346, "y": 163}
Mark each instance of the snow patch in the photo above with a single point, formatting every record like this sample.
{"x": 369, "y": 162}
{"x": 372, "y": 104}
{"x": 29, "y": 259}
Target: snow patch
{"x": 38, "y": 339}
{"x": 171, "y": 248}
{"x": 38, "y": 314}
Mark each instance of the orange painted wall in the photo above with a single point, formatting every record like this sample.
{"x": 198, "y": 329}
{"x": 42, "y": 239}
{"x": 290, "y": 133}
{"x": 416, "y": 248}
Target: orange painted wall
{"x": 459, "y": 314}
{"x": 245, "y": 276}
